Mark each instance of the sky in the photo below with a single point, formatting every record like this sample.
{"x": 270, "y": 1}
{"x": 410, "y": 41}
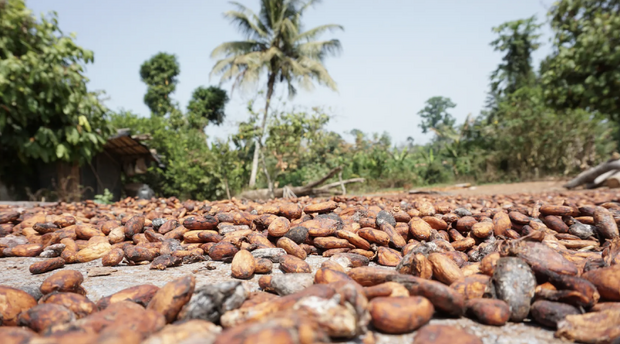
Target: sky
{"x": 396, "y": 55}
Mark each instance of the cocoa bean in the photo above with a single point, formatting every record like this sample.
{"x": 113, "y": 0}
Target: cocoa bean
{"x": 514, "y": 282}
{"x": 47, "y": 265}
{"x": 488, "y": 311}
{"x": 140, "y": 294}
{"x": 243, "y": 265}
{"x": 292, "y": 264}
{"x": 548, "y": 313}
{"x": 41, "y": 317}
{"x": 78, "y": 304}
{"x": 443, "y": 298}
{"x": 12, "y": 303}
{"x": 169, "y": 300}
{"x": 64, "y": 281}
{"x": 400, "y": 314}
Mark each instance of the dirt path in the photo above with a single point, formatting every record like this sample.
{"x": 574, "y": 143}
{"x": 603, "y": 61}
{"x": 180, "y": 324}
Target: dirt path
{"x": 505, "y": 189}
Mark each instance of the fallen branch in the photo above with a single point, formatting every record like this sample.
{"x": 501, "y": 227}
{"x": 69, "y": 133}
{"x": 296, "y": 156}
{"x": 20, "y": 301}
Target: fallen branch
{"x": 589, "y": 176}
{"x": 310, "y": 189}
{"x": 343, "y": 182}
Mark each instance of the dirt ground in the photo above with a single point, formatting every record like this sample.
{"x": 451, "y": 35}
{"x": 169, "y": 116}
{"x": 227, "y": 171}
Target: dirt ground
{"x": 102, "y": 281}
{"x": 495, "y": 189}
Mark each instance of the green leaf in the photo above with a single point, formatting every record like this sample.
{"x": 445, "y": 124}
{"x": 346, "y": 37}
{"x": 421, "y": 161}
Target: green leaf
{"x": 61, "y": 151}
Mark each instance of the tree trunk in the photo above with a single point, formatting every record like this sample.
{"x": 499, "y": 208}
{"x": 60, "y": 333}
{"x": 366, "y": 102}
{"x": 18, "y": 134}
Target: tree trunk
{"x": 270, "y": 85}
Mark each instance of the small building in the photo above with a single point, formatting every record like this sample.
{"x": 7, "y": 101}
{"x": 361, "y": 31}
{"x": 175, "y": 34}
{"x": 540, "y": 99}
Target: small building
{"x": 122, "y": 154}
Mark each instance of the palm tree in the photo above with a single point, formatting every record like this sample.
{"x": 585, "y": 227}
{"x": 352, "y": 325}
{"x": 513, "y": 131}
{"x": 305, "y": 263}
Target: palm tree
{"x": 275, "y": 43}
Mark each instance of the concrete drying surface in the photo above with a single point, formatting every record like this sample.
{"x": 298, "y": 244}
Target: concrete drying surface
{"x": 15, "y": 273}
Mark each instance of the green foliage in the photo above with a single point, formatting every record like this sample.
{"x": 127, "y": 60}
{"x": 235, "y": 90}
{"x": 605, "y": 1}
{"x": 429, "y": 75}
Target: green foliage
{"x": 207, "y": 105}
{"x": 106, "y": 198}
{"x": 584, "y": 70}
{"x": 160, "y": 73}
{"x": 517, "y": 40}
{"x": 46, "y": 111}
{"x": 194, "y": 169}
{"x": 435, "y": 114}
{"x": 555, "y": 123}
{"x": 534, "y": 140}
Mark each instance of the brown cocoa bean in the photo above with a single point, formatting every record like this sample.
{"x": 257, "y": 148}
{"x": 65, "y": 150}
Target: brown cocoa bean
{"x": 445, "y": 269}
{"x": 607, "y": 281}
{"x": 354, "y": 239}
{"x": 243, "y": 265}
{"x": 292, "y": 264}
{"x": 548, "y": 313}
{"x": 12, "y": 303}
{"x": 488, "y": 311}
{"x": 47, "y": 265}
{"x": 41, "y": 317}
{"x": 291, "y": 248}
{"x": 279, "y": 227}
{"x": 420, "y": 229}
{"x": 113, "y": 258}
{"x": 321, "y": 208}
{"x": 78, "y": 304}
{"x": 398, "y": 315}
{"x": 374, "y": 235}
{"x": 172, "y": 297}
{"x": 63, "y": 281}
{"x": 388, "y": 257}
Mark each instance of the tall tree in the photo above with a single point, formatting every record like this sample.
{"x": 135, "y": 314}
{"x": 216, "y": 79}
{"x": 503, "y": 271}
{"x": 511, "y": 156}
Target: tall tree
{"x": 435, "y": 114}
{"x": 46, "y": 110}
{"x": 517, "y": 40}
{"x": 277, "y": 44}
{"x": 584, "y": 70}
{"x": 160, "y": 73}
{"x": 207, "y": 106}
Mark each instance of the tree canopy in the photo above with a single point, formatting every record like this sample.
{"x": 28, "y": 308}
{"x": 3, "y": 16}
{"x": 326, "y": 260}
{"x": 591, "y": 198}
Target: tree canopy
{"x": 584, "y": 70}
{"x": 207, "y": 106}
{"x": 160, "y": 73}
{"x": 46, "y": 110}
{"x": 276, "y": 43}
{"x": 517, "y": 40}
{"x": 435, "y": 114}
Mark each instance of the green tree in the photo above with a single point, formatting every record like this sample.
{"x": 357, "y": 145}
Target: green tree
{"x": 194, "y": 169}
{"x": 435, "y": 114}
{"x": 160, "y": 73}
{"x": 584, "y": 70}
{"x": 276, "y": 44}
{"x": 517, "y": 40}
{"x": 46, "y": 110}
{"x": 207, "y": 106}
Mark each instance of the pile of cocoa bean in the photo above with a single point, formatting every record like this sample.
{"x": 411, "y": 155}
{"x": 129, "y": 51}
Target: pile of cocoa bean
{"x": 391, "y": 264}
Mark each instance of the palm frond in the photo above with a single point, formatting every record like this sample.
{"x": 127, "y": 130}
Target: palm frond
{"x": 319, "y": 49}
{"x": 317, "y": 31}
{"x": 222, "y": 65}
{"x": 247, "y": 21}
{"x": 237, "y": 48}
{"x": 289, "y": 29}
{"x": 319, "y": 72}
{"x": 307, "y": 5}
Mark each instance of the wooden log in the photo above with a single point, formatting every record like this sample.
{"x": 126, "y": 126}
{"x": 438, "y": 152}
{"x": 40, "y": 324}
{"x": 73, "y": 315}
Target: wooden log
{"x": 589, "y": 176}
{"x": 310, "y": 189}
